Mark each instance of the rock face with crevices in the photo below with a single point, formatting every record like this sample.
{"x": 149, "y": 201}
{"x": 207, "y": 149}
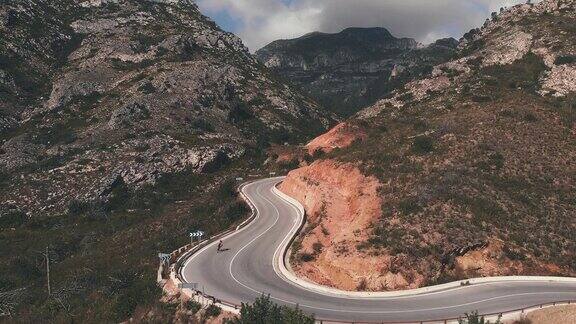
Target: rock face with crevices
{"x": 99, "y": 89}
{"x": 351, "y": 69}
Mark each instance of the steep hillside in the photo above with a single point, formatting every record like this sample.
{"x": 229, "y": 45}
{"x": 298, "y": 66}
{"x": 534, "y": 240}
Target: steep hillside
{"x": 352, "y": 69}
{"x": 121, "y": 125}
{"x": 474, "y": 167}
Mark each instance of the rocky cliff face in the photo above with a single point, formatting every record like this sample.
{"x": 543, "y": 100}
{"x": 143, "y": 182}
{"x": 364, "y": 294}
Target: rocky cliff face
{"x": 102, "y": 92}
{"x": 350, "y": 70}
{"x": 475, "y": 162}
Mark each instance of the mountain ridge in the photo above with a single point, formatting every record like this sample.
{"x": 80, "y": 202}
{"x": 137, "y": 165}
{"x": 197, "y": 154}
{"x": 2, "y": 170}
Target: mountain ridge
{"x": 351, "y": 69}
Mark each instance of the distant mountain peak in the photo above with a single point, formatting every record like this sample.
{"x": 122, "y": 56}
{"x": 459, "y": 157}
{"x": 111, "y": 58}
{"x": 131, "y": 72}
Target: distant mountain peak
{"x": 374, "y": 31}
{"x": 345, "y": 71}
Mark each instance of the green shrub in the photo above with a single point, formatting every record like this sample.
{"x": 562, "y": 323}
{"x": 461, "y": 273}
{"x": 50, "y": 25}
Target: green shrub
{"x": 409, "y": 206}
{"x": 193, "y": 306}
{"x": 212, "y": 311}
{"x": 77, "y": 207}
{"x": 423, "y": 145}
{"x": 134, "y": 290}
{"x": 307, "y": 257}
{"x": 530, "y": 117}
{"x": 406, "y": 97}
{"x": 264, "y": 311}
{"x": 13, "y": 218}
{"x": 236, "y": 211}
{"x": 474, "y": 318}
{"x": 239, "y": 112}
{"x": 319, "y": 153}
{"x": 4, "y": 177}
{"x": 514, "y": 254}
{"x": 203, "y": 125}
{"x": 147, "y": 88}
{"x": 143, "y": 42}
{"x": 524, "y": 73}
{"x": 565, "y": 59}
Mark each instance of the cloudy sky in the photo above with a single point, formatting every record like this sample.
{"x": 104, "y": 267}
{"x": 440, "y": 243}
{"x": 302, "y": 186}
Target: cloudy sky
{"x": 259, "y": 22}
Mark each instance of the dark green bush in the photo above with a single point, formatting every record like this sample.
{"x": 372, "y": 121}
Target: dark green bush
{"x": 77, "y": 207}
{"x": 4, "y": 177}
{"x": 306, "y": 257}
{"x": 193, "y": 306}
{"x": 524, "y": 73}
{"x": 423, "y": 145}
{"x": 565, "y": 59}
{"x": 239, "y": 112}
{"x": 14, "y": 218}
{"x": 236, "y": 211}
{"x": 530, "y": 117}
{"x": 147, "y": 88}
{"x": 409, "y": 206}
{"x": 203, "y": 126}
{"x": 474, "y": 318}
{"x": 212, "y": 311}
{"x": 264, "y": 311}
{"x": 513, "y": 254}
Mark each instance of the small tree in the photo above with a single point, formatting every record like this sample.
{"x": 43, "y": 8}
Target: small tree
{"x": 423, "y": 145}
{"x": 264, "y": 311}
{"x": 193, "y": 306}
{"x": 474, "y": 318}
{"x": 212, "y": 311}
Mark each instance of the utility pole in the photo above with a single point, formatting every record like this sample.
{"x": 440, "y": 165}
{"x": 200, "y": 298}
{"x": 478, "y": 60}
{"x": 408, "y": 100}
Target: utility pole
{"x": 48, "y": 271}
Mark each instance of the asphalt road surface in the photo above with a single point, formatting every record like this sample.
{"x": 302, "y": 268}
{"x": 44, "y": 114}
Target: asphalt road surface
{"x": 245, "y": 271}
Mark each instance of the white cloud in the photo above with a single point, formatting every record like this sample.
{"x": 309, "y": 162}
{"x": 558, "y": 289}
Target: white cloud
{"x": 264, "y": 21}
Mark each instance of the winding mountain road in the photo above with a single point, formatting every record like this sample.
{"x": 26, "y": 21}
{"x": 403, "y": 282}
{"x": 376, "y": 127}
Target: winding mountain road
{"x": 250, "y": 268}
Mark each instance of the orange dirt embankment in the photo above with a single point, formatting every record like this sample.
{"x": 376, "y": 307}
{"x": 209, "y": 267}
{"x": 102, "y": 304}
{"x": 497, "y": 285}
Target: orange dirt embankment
{"x": 342, "y": 135}
{"x": 341, "y": 203}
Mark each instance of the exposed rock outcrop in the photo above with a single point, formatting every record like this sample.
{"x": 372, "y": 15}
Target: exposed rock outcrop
{"x": 351, "y": 69}
{"x": 136, "y": 89}
{"x": 341, "y": 136}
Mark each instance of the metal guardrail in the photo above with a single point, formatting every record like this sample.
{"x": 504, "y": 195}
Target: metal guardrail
{"x": 179, "y": 256}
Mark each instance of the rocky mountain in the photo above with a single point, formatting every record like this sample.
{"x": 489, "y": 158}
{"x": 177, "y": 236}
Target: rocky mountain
{"x": 466, "y": 172}
{"x": 352, "y": 69}
{"x": 121, "y": 122}
{"x": 118, "y": 78}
